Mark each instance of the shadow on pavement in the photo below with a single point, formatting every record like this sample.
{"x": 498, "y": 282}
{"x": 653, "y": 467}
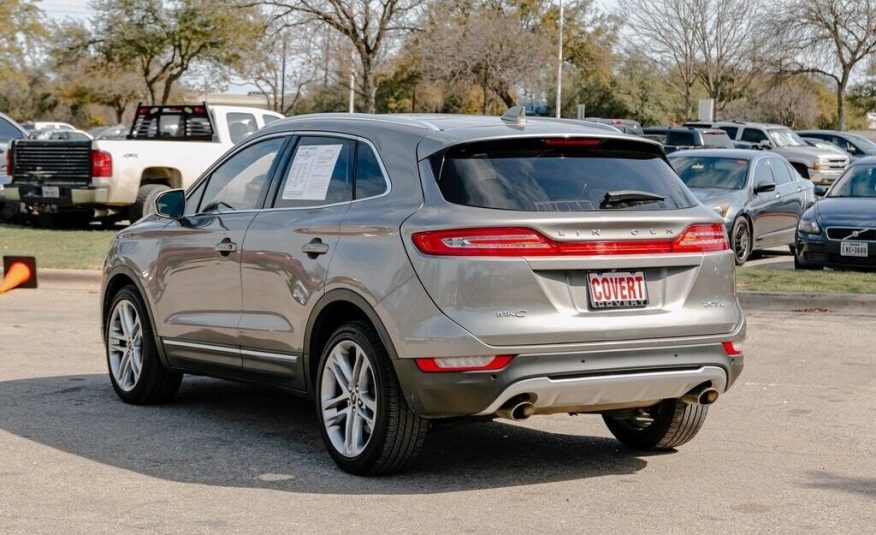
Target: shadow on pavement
{"x": 854, "y": 485}
{"x": 225, "y": 434}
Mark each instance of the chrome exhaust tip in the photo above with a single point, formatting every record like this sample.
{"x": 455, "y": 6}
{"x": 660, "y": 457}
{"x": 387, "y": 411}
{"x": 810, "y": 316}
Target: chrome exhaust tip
{"x": 519, "y": 410}
{"x": 701, "y": 395}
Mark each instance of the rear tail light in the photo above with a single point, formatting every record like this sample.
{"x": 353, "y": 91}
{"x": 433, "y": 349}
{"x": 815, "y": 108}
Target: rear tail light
{"x": 573, "y": 142}
{"x": 521, "y": 241}
{"x": 9, "y": 160}
{"x": 463, "y": 364}
{"x": 101, "y": 164}
{"x": 733, "y": 349}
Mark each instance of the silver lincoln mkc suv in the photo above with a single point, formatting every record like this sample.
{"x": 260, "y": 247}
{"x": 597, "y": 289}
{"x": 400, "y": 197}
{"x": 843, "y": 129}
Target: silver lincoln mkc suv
{"x": 402, "y": 269}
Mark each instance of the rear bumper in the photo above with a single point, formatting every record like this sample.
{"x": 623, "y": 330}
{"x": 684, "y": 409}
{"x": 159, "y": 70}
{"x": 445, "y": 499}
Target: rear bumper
{"x": 815, "y": 250}
{"x": 571, "y": 382}
{"x": 67, "y": 195}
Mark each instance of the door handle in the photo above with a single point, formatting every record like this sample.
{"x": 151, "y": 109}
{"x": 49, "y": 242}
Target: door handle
{"x": 226, "y": 247}
{"x": 778, "y": 195}
{"x": 315, "y": 248}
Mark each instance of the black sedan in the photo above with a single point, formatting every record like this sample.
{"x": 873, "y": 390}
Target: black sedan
{"x": 840, "y": 229}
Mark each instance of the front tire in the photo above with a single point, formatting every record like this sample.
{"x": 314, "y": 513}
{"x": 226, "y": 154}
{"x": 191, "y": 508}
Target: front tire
{"x": 366, "y": 424}
{"x": 800, "y": 264}
{"x": 135, "y": 369}
{"x": 663, "y": 426}
{"x": 145, "y": 203}
{"x": 740, "y": 238}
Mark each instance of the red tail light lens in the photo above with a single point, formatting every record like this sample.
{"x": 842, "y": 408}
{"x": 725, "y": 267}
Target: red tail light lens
{"x": 733, "y": 349}
{"x": 521, "y": 241}
{"x": 463, "y": 364}
{"x": 101, "y": 164}
{"x": 9, "y": 160}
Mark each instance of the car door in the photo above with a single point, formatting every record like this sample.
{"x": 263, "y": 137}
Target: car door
{"x": 762, "y": 209}
{"x": 286, "y": 254}
{"x": 198, "y": 303}
{"x": 789, "y": 207}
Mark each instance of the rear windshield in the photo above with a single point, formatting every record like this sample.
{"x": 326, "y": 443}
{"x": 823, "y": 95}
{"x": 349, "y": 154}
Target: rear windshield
{"x": 680, "y": 138}
{"x": 559, "y": 175}
{"x": 711, "y": 172}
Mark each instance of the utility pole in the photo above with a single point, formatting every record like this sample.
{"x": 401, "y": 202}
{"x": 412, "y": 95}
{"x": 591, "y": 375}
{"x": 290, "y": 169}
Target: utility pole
{"x": 352, "y": 83}
{"x": 283, "y": 80}
{"x": 559, "y": 105}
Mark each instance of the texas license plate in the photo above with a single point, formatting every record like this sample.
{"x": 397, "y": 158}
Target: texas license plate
{"x": 618, "y": 289}
{"x": 51, "y": 191}
{"x": 854, "y": 248}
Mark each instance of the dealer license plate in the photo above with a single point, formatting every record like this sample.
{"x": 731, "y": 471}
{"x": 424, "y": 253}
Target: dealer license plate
{"x": 854, "y": 248}
{"x": 51, "y": 191}
{"x": 618, "y": 289}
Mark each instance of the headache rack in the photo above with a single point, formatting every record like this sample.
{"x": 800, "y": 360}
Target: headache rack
{"x": 177, "y": 123}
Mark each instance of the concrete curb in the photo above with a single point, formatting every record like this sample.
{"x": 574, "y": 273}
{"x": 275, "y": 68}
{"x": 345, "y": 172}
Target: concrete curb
{"x": 809, "y": 302}
{"x": 67, "y": 277}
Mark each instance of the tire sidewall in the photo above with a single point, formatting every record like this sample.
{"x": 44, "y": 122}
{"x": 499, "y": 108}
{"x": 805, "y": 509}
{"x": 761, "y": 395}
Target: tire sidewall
{"x": 149, "y": 349}
{"x": 741, "y": 221}
{"x": 377, "y": 358}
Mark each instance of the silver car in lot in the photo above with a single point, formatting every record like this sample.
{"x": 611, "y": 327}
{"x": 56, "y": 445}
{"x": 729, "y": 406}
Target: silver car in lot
{"x": 758, "y": 194}
{"x": 402, "y": 269}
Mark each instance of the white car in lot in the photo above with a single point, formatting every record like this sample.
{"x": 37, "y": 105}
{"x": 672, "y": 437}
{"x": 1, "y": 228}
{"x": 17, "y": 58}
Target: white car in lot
{"x": 168, "y": 147}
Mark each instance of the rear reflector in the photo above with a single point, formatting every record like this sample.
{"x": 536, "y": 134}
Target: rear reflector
{"x": 463, "y": 364}
{"x": 733, "y": 349}
{"x": 101, "y": 164}
{"x": 521, "y": 241}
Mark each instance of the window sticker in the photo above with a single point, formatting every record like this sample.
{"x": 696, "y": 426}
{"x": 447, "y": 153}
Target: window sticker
{"x": 311, "y": 172}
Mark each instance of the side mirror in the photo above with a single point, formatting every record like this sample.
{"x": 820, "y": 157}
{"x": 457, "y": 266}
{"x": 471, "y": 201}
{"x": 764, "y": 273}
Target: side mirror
{"x": 764, "y": 186}
{"x": 171, "y": 204}
{"x": 820, "y": 190}
{"x": 765, "y": 145}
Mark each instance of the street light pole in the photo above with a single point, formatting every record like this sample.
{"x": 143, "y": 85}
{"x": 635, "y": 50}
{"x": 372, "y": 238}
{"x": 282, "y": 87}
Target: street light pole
{"x": 560, "y": 65}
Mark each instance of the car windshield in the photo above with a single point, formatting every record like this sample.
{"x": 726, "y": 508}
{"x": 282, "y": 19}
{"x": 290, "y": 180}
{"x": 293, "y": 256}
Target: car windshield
{"x": 550, "y": 175}
{"x": 784, "y": 137}
{"x": 862, "y": 143}
{"x": 858, "y": 181}
{"x": 711, "y": 172}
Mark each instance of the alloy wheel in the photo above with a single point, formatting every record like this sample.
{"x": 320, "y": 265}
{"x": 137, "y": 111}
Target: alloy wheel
{"x": 348, "y": 398}
{"x": 740, "y": 242}
{"x": 125, "y": 345}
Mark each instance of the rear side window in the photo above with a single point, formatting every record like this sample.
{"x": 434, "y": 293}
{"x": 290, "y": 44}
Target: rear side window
{"x": 559, "y": 175}
{"x": 731, "y": 131}
{"x": 320, "y": 173}
{"x": 268, "y": 119}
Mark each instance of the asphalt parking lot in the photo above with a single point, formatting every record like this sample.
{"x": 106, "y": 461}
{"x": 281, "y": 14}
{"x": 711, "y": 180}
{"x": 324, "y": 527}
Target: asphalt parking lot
{"x": 789, "y": 449}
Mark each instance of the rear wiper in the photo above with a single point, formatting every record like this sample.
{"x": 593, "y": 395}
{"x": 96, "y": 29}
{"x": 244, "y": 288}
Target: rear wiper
{"x": 628, "y": 197}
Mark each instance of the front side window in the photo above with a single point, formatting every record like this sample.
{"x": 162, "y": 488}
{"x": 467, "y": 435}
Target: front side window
{"x": 763, "y": 174}
{"x": 559, "y": 175}
{"x": 369, "y": 177}
{"x": 320, "y": 173}
{"x": 238, "y": 184}
{"x": 780, "y": 171}
{"x": 711, "y": 172}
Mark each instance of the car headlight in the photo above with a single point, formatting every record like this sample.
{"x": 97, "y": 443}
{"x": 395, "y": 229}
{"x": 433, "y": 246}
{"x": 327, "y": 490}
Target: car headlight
{"x": 722, "y": 209}
{"x": 809, "y": 226}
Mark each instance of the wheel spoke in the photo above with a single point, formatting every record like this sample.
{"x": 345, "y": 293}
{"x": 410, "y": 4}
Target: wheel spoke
{"x": 356, "y": 431}
{"x": 332, "y": 403}
{"x": 364, "y": 376}
{"x": 369, "y": 421}
{"x": 124, "y": 369}
{"x": 127, "y": 322}
{"x": 348, "y": 432}
{"x": 341, "y": 369}
{"x": 333, "y": 419}
{"x": 136, "y": 364}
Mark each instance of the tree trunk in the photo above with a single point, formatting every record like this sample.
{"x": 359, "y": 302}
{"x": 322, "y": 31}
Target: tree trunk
{"x": 841, "y": 102}
{"x": 120, "y": 112}
{"x": 368, "y": 85}
{"x": 688, "y": 105}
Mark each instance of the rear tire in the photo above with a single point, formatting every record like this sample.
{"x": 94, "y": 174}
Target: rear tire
{"x": 136, "y": 372}
{"x": 357, "y": 394}
{"x": 741, "y": 240}
{"x": 145, "y": 203}
{"x": 664, "y": 426}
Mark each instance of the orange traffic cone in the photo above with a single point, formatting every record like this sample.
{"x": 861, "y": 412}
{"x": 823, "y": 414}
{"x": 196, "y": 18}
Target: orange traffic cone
{"x": 19, "y": 272}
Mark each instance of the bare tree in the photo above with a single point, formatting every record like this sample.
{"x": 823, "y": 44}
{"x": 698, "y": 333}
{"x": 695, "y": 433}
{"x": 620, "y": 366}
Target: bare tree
{"x": 484, "y": 44}
{"x": 729, "y": 38}
{"x": 828, "y": 37}
{"x": 368, "y": 25}
{"x": 662, "y": 31}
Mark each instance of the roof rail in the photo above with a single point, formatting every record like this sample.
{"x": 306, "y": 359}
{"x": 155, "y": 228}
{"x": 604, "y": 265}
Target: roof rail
{"x": 515, "y": 115}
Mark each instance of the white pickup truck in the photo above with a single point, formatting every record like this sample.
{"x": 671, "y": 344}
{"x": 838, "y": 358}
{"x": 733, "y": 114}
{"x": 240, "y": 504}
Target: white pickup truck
{"x": 168, "y": 147}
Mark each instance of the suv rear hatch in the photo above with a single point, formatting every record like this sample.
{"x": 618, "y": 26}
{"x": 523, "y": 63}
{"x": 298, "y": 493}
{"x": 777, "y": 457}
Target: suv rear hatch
{"x": 569, "y": 240}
